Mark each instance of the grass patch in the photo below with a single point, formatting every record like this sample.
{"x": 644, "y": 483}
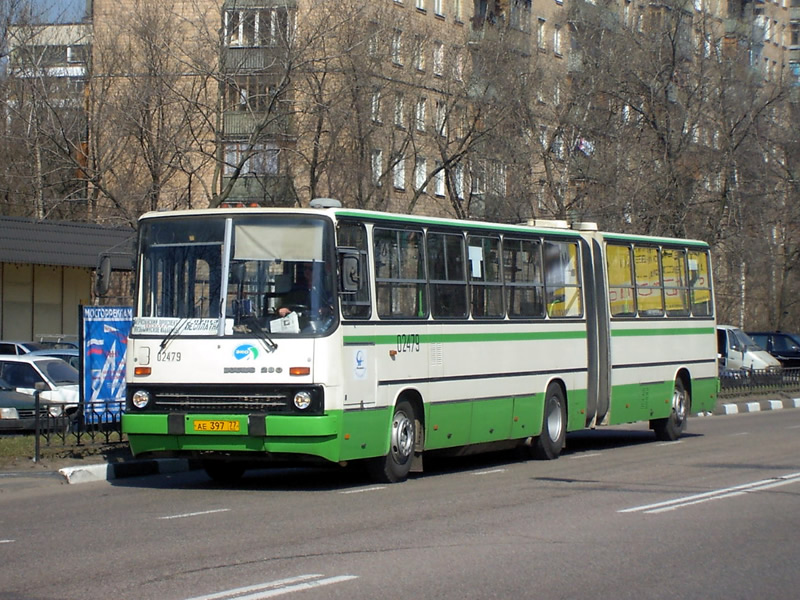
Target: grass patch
{"x": 22, "y": 447}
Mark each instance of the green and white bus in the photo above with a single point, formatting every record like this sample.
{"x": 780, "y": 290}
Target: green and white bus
{"x": 419, "y": 335}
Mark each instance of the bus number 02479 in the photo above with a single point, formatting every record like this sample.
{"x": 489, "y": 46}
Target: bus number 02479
{"x": 408, "y": 342}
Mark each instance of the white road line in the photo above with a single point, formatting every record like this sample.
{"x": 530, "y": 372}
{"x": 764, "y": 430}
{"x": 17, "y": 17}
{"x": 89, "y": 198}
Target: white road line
{"x": 669, "y": 443}
{"x": 590, "y": 455}
{"x": 738, "y": 490}
{"x": 490, "y": 472}
{"x": 740, "y": 433}
{"x": 278, "y": 587}
{"x": 7, "y": 541}
{"x": 194, "y": 514}
{"x": 367, "y": 489}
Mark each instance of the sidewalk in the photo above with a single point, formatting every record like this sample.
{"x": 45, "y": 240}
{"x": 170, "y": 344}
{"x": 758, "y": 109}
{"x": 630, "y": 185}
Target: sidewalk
{"x": 123, "y": 465}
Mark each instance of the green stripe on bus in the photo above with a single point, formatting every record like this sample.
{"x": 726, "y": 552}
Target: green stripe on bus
{"x": 469, "y": 337}
{"x": 671, "y": 331}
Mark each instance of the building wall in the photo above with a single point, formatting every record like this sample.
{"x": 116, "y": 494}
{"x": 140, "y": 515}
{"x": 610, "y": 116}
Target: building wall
{"x": 40, "y": 300}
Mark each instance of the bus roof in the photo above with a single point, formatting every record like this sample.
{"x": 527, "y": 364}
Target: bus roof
{"x": 376, "y": 216}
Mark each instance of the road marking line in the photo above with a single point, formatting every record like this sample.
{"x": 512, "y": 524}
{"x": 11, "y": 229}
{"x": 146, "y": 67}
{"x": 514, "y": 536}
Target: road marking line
{"x": 741, "y": 433}
{"x": 278, "y": 587}
{"x": 590, "y": 455}
{"x": 669, "y": 443}
{"x": 7, "y": 541}
{"x": 489, "y": 472}
{"x": 738, "y": 490}
{"x": 374, "y": 488}
{"x": 194, "y": 514}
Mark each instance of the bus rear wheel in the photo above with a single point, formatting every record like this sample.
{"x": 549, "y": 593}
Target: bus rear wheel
{"x": 549, "y": 444}
{"x": 671, "y": 428}
{"x": 395, "y": 466}
{"x": 222, "y": 471}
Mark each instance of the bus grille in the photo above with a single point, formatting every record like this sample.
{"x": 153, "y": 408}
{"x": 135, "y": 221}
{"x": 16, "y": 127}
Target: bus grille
{"x": 258, "y": 403}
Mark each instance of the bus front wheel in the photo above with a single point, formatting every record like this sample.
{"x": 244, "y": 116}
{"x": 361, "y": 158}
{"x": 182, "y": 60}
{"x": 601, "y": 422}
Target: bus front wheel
{"x": 549, "y": 444}
{"x": 671, "y": 428}
{"x": 395, "y": 466}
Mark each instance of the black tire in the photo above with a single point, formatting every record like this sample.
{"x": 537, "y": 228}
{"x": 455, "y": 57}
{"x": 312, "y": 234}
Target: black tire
{"x": 671, "y": 428}
{"x": 549, "y": 444}
{"x": 395, "y": 466}
{"x": 222, "y": 471}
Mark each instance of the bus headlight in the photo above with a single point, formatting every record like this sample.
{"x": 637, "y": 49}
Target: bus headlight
{"x": 140, "y": 398}
{"x": 302, "y": 400}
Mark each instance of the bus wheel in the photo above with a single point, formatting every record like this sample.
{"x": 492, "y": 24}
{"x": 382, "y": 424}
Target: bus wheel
{"x": 671, "y": 428}
{"x": 395, "y": 466}
{"x": 222, "y": 471}
{"x": 550, "y": 442}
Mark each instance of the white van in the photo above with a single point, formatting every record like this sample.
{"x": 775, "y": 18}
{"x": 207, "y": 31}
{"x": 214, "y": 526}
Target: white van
{"x": 737, "y": 351}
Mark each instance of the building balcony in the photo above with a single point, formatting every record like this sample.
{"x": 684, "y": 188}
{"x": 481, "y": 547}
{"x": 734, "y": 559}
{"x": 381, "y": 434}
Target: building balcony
{"x": 244, "y": 123}
{"x": 263, "y": 190}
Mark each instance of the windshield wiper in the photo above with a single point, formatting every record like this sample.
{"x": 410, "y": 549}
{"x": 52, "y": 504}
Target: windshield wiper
{"x": 173, "y": 333}
{"x": 263, "y": 336}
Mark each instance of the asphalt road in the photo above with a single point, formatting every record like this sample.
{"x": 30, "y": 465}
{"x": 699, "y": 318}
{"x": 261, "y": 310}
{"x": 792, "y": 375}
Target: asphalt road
{"x": 619, "y": 515}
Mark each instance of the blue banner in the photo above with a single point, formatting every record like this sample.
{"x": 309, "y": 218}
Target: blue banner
{"x": 105, "y": 345}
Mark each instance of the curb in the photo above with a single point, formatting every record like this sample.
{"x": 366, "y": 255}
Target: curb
{"x": 135, "y": 468}
{"x": 735, "y": 408}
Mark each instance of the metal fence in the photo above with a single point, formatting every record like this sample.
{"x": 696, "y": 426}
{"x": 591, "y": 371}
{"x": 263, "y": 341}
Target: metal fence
{"x": 92, "y": 424}
{"x": 751, "y": 381}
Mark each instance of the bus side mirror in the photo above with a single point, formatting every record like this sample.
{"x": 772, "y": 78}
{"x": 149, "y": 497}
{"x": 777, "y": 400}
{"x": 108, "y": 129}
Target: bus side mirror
{"x": 103, "y": 276}
{"x": 351, "y": 273}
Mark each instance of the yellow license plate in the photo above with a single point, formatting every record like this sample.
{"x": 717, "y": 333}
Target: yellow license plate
{"x": 214, "y": 425}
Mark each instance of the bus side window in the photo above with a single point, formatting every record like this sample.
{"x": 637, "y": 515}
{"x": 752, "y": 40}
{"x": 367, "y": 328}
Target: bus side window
{"x": 354, "y": 235}
{"x": 400, "y": 280}
{"x": 447, "y": 275}
{"x": 620, "y": 280}
{"x": 562, "y": 279}
{"x": 522, "y": 276}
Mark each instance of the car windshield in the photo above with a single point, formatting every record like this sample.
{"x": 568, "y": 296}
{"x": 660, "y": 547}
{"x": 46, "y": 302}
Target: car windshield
{"x": 58, "y": 371}
{"x": 250, "y": 270}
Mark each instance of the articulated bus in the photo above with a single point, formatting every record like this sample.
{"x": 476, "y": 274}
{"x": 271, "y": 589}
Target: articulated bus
{"x": 415, "y": 335}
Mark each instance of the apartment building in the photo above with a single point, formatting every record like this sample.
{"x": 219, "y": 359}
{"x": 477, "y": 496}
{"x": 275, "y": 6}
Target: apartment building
{"x": 389, "y": 104}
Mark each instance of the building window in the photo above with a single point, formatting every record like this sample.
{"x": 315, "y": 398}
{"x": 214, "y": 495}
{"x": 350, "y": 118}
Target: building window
{"x": 540, "y": 34}
{"x": 458, "y": 181}
{"x": 458, "y": 65}
{"x": 457, "y": 10}
{"x": 376, "y": 106}
{"x": 438, "y": 58}
{"x": 441, "y": 118}
{"x": 399, "y": 173}
{"x": 438, "y": 180}
{"x": 397, "y": 47}
{"x": 256, "y": 28}
{"x": 263, "y": 159}
{"x": 419, "y": 53}
{"x": 399, "y": 102}
{"x": 421, "y": 4}
{"x": 557, "y": 40}
{"x": 419, "y": 114}
{"x": 437, "y": 8}
{"x": 248, "y": 93}
{"x": 377, "y": 166}
{"x": 420, "y": 173}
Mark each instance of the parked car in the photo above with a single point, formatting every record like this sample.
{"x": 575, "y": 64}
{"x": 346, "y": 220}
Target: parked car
{"x": 70, "y": 355}
{"x": 60, "y": 380}
{"x": 13, "y": 347}
{"x": 737, "y": 351}
{"x": 783, "y": 346}
{"x": 17, "y": 410}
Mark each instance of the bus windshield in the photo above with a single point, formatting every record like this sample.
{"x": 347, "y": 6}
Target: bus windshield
{"x": 262, "y": 274}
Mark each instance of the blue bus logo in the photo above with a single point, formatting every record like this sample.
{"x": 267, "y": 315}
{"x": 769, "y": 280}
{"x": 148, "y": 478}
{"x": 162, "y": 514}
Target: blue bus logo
{"x": 246, "y": 352}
